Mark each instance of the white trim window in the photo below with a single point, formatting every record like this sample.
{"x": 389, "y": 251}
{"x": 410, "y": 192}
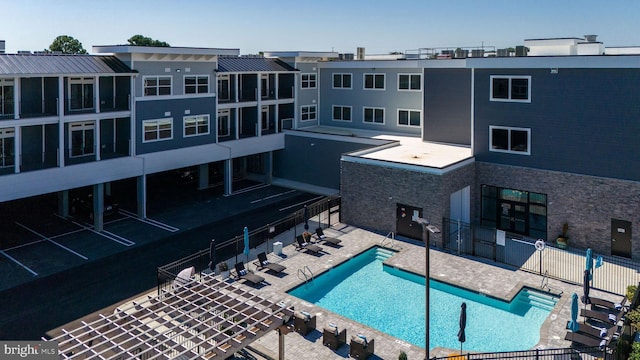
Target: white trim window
{"x": 157, "y": 130}
{"x": 372, "y": 115}
{"x": 157, "y": 85}
{"x": 6, "y": 97}
{"x": 196, "y": 84}
{"x": 374, "y": 81}
{"x": 409, "y": 82}
{"x": 409, "y": 118}
{"x": 7, "y": 147}
{"x": 308, "y": 80}
{"x": 223, "y": 87}
{"x": 341, "y": 113}
{"x": 342, "y": 81}
{"x": 308, "y": 112}
{"x": 81, "y": 93}
{"x": 510, "y": 140}
{"x": 195, "y": 125}
{"x": 510, "y": 88}
{"x": 82, "y": 139}
{"x": 224, "y": 123}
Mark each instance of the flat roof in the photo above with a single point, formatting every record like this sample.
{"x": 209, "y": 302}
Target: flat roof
{"x": 165, "y": 50}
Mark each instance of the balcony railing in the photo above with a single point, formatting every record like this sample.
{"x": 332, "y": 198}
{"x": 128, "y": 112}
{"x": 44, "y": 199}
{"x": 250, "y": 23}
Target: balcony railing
{"x": 115, "y": 103}
{"x": 31, "y": 108}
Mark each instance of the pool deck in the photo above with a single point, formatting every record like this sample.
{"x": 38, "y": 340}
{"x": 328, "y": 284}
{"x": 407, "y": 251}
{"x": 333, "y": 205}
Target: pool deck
{"x": 474, "y": 274}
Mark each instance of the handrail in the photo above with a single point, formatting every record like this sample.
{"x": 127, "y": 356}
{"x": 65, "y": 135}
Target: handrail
{"x": 303, "y": 270}
{"x": 390, "y": 236}
{"x": 545, "y": 280}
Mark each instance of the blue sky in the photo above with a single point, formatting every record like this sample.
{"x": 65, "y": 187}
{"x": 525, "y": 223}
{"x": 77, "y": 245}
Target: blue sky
{"x": 324, "y": 25}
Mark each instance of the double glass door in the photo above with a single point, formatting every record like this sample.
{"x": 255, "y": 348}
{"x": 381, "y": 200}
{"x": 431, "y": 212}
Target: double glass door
{"x": 513, "y": 216}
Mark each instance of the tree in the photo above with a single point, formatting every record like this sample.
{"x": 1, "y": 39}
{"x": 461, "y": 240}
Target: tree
{"x": 67, "y": 45}
{"x": 139, "y": 40}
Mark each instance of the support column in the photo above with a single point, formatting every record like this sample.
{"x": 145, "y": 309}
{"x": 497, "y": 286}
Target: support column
{"x": 132, "y": 119}
{"x": 61, "y": 137}
{"x": 63, "y": 203}
{"x": 96, "y": 141}
{"x": 259, "y": 106}
{"x": 98, "y": 207}
{"x": 141, "y": 194}
{"x": 203, "y": 176}
{"x": 17, "y": 149}
{"x": 228, "y": 177}
{"x": 236, "y": 119}
{"x": 17, "y": 98}
{"x": 96, "y": 94}
{"x": 268, "y": 167}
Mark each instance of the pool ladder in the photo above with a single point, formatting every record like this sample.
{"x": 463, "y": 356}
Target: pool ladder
{"x": 302, "y": 274}
{"x": 545, "y": 284}
{"x": 391, "y": 236}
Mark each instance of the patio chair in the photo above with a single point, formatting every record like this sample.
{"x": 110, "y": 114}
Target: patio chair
{"x": 303, "y": 245}
{"x": 595, "y": 331}
{"x": 607, "y": 304}
{"x": 245, "y": 274}
{"x": 332, "y": 337}
{"x": 304, "y": 322}
{"x": 263, "y": 263}
{"x": 322, "y": 237}
{"x": 605, "y": 317}
{"x": 360, "y": 347}
{"x": 586, "y": 340}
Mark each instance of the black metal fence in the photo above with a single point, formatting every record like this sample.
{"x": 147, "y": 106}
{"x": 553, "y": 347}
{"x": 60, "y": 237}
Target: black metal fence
{"x": 613, "y": 274}
{"x": 319, "y": 213}
{"x": 541, "y": 354}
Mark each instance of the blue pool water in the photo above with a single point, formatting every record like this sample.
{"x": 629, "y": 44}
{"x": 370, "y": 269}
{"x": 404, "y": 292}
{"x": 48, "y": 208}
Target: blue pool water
{"x": 392, "y": 301}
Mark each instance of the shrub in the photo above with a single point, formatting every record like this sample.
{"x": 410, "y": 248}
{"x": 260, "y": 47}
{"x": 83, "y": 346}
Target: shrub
{"x": 631, "y": 290}
{"x": 403, "y": 356}
{"x": 635, "y": 351}
{"x": 634, "y": 318}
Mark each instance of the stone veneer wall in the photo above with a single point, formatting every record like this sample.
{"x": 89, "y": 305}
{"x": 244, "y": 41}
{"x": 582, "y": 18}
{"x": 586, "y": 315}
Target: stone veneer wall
{"x": 370, "y": 194}
{"x": 586, "y": 203}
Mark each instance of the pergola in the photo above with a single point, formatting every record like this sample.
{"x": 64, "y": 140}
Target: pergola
{"x": 203, "y": 318}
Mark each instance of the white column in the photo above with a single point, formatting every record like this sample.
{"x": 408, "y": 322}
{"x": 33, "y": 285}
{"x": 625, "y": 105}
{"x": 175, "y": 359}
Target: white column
{"x": 237, "y": 86}
{"x": 132, "y": 118}
{"x": 277, "y": 84}
{"x": 141, "y": 195}
{"x": 228, "y": 176}
{"x": 61, "y": 134}
{"x": 259, "y": 99}
{"x": 277, "y": 118}
{"x": 17, "y": 159}
{"x": 96, "y": 94}
{"x": 96, "y": 141}
{"x": 236, "y": 119}
{"x": 17, "y": 98}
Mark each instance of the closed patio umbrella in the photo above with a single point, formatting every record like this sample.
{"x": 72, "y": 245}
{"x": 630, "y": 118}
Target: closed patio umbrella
{"x": 463, "y": 324}
{"x": 305, "y": 215}
{"x": 589, "y": 265}
{"x": 212, "y": 255}
{"x": 573, "y": 324}
{"x": 246, "y": 243}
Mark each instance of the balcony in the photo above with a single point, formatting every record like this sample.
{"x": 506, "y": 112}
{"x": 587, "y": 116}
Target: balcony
{"x": 115, "y": 103}
{"x": 38, "y": 108}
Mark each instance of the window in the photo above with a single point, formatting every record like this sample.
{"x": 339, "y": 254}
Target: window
{"x": 516, "y": 211}
{"x": 6, "y": 97}
{"x": 308, "y": 112}
{"x": 223, "y": 87}
{"x": 374, "y": 81}
{"x": 342, "y": 113}
{"x": 81, "y": 139}
{"x": 196, "y": 125}
{"x": 510, "y": 88}
{"x": 342, "y": 81}
{"x": 373, "y": 115}
{"x": 196, "y": 84}
{"x": 409, "y": 82}
{"x": 80, "y": 93}
{"x": 7, "y": 147}
{"x": 409, "y": 118}
{"x": 157, "y": 85}
{"x": 155, "y": 130}
{"x": 223, "y": 123}
{"x": 308, "y": 81}
{"x": 264, "y": 119}
{"x": 510, "y": 140}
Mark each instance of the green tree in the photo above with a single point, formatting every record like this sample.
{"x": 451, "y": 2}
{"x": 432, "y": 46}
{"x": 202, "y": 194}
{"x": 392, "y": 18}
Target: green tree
{"x": 139, "y": 40}
{"x": 67, "y": 45}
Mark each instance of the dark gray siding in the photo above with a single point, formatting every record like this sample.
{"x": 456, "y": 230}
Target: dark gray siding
{"x": 447, "y": 106}
{"x": 317, "y": 164}
{"x": 582, "y": 121}
{"x": 148, "y": 110}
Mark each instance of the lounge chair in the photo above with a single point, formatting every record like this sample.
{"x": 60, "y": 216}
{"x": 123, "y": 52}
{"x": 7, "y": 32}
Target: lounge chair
{"x": 303, "y": 245}
{"x": 332, "y": 337}
{"x": 322, "y": 237}
{"x": 360, "y": 347}
{"x": 605, "y": 317}
{"x": 304, "y": 322}
{"x": 245, "y": 274}
{"x": 263, "y": 263}
{"x": 598, "y": 332}
{"x": 607, "y": 304}
{"x": 587, "y": 340}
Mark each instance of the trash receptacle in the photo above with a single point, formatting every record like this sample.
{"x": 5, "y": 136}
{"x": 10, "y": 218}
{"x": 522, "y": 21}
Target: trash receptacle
{"x": 277, "y": 248}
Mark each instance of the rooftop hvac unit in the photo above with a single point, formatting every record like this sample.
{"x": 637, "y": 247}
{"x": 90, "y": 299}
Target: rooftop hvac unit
{"x": 461, "y": 53}
{"x": 345, "y": 56}
{"x": 1, "y": 46}
{"x": 477, "y": 53}
{"x": 590, "y": 38}
{"x": 360, "y": 53}
{"x": 521, "y": 51}
{"x": 503, "y": 52}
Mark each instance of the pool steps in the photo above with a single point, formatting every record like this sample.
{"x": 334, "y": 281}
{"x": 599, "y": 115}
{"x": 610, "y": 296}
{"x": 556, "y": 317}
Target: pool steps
{"x": 383, "y": 254}
{"x": 539, "y": 300}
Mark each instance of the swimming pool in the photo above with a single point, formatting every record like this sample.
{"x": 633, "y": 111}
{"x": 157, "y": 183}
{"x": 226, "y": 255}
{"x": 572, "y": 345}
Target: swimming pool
{"x": 392, "y": 301}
